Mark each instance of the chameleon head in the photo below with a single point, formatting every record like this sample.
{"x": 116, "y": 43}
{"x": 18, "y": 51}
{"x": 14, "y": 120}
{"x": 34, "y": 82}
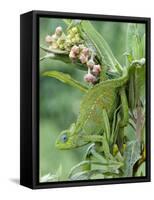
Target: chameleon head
{"x": 65, "y": 141}
{"x": 69, "y": 139}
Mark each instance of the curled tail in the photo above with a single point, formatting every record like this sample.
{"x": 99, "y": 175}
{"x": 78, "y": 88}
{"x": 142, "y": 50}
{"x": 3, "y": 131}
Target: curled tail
{"x": 124, "y": 78}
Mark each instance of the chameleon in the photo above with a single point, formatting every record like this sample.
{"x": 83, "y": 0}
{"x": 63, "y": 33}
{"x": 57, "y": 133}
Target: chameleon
{"x": 96, "y": 112}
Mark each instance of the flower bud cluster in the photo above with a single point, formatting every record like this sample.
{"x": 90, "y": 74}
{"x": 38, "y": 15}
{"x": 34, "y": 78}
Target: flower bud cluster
{"x": 62, "y": 41}
{"x": 85, "y": 55}
{"x": 72, "y": 38}
{"x": 73, "y": 43}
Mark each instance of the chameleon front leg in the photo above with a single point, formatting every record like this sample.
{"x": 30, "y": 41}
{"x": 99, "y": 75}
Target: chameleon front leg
{"x": 105, "y": 138}
{"x": 92, "y": 138}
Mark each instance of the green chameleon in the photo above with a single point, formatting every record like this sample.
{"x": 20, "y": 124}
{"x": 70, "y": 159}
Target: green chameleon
{"x": 96, "y": 112}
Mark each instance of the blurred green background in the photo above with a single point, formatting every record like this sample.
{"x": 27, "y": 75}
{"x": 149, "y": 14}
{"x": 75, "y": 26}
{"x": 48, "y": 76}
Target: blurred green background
{"x": 59, "y": 103}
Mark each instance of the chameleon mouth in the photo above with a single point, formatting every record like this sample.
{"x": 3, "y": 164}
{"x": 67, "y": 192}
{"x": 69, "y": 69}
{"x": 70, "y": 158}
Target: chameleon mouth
{"x": 63, "y": 145}
{"x": 68, "y": 145}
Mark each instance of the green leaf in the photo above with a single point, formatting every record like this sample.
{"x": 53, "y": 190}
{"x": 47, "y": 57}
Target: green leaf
{"x": 143, "y": 45}
{"x": 102, "y": 47}
{"x": 136, "y": 86}
{"x": 136, "y": 49}
{"x": 71, "y": 22}
{"x": 67, "y": 21}
{"x": 49, "y": 178}
{"x": 135, "y": 42}
{"x": 54, "y": 51}
{"x": 61, "y": 56}
{"x": 141, "y": 170}
{"x": 86, "y": 175}
{"x": 65, "y": 78}
{"x": 131, "y": 92}
{"x": 106, "y": 125}
{"x": 140, "y": 83}
{"x": 131, "y": 156}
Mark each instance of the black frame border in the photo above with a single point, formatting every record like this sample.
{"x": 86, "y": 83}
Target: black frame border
{"x": 35, "y": 98}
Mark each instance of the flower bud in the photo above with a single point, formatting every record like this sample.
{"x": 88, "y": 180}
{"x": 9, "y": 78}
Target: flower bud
{"x": 85, "y": 51}
{"x": 49, "y": 39}
{"x": 83, "y": 58}
{"x": 59, "y": 41}
{"x": 58, "y": 31}
{"x": 90, "y": 78}
{"x": 75, "y": 49}
{"x": 77, "y": 39}
{"x": 67, "y": 45}
{"x": 96, "y": 69}
{"x": 81, "y": 46}
{"x": 73, "y": 40}
{"x": 70, "y": 33}
{"x": 74, "y": 30}
{"x": 68, "y": 41}
{"x": 69, "y": 37}
{"x": 90, "y": 63}
{"x": 54, "y": 37}
{"x": 72, "y": 55}
{"x": 61, "y": 46}
{"x": 54, "y": 45}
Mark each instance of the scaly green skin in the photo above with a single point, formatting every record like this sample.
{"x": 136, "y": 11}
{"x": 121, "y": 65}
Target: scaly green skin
{"x": 97, "y": 109}
{"x": 99, "y": 102}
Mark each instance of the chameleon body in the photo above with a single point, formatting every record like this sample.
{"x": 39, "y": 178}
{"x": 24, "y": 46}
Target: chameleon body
{"x": 101, "y": 100}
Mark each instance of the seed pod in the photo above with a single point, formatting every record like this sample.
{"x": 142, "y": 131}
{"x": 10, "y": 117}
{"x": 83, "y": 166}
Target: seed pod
{"x": 90, "y": 78}
{"x": 58, "y": 31}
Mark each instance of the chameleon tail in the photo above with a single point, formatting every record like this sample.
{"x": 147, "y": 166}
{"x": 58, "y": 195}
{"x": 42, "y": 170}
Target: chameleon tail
{"x": 124, "y": 78}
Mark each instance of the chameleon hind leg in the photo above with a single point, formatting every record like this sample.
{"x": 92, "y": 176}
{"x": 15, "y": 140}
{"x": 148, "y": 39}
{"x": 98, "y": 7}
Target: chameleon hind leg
{"x": 104, "y": 139}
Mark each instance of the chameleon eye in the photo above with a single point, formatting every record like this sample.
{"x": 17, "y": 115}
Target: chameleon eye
{"x": 64, "y": 138}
